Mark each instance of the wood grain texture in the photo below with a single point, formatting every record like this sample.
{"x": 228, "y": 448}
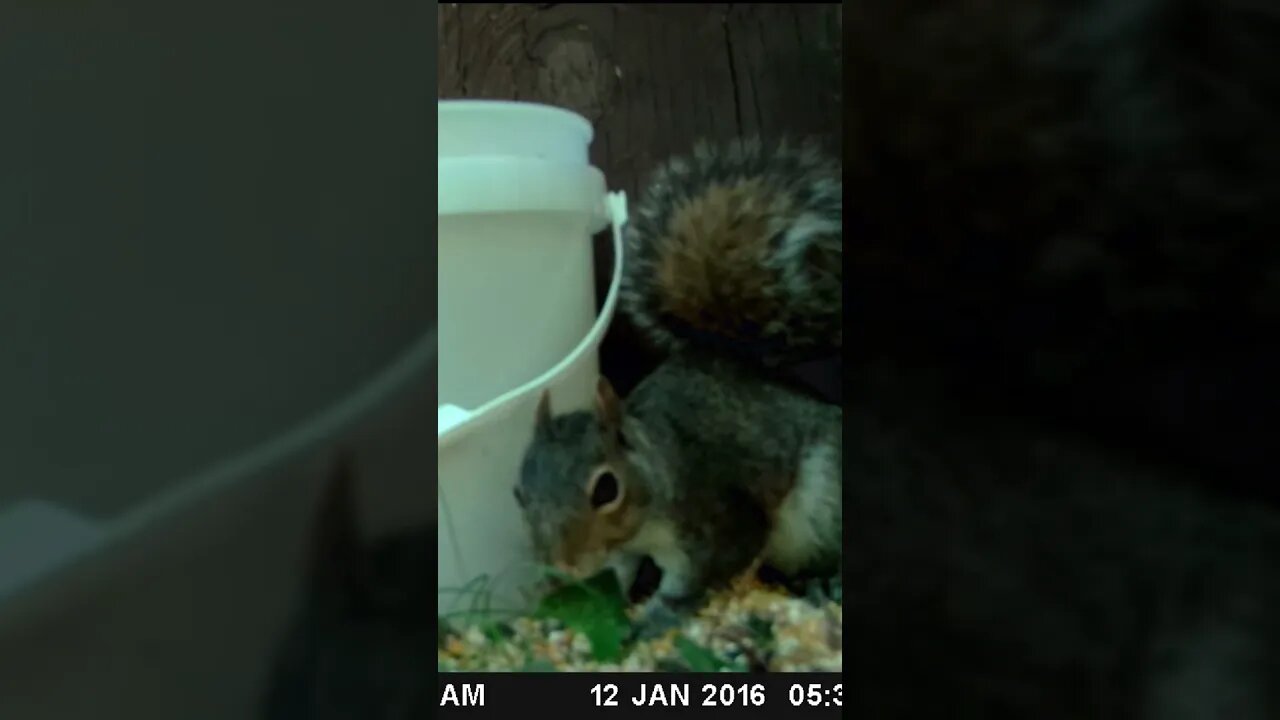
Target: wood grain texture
{"x": 652, "y": 79}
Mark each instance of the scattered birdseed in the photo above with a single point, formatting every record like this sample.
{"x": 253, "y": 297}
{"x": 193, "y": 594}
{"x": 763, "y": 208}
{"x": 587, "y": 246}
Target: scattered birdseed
{"x": 748, "y": 626}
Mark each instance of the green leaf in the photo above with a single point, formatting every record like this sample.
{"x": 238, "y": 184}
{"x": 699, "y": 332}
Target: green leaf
{"x": 594, "y": 607}
{"x": 539, "y": 665}
{"x": 761, "y": 631}
{"x": 496, "y": 631}
{"x": 698, "y": 658}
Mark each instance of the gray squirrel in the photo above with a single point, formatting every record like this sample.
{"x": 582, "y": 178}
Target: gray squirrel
{"x": 713, "y": 462}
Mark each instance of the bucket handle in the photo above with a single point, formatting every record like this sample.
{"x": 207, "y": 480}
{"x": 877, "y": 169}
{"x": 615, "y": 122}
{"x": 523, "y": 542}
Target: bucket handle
{"x": 453, "y": 422}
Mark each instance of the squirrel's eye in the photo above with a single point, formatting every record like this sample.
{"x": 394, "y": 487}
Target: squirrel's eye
{"x": 605, "y": 490}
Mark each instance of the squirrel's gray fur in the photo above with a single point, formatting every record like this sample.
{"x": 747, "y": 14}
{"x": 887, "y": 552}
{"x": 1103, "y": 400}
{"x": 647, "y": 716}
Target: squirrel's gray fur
{"x": 733, "y": 266}
{"x": 737, "y": 248}
{"x": 715, "y": 468}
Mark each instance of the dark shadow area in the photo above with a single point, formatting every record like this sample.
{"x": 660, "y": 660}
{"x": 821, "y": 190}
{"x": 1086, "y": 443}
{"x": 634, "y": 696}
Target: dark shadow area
{"x": 1064, "y": 295}
{"x": 1072, "y": 213}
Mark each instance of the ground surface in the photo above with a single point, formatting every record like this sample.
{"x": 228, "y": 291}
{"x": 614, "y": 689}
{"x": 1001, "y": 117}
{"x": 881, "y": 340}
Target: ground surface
{"x": 749, "y": 627}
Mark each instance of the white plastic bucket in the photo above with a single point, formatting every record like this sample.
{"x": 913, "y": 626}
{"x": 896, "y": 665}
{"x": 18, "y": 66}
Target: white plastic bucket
{"x": 481, "y": 533}
{"x": 517, "y": 317}
{"x": 516, "y": 288}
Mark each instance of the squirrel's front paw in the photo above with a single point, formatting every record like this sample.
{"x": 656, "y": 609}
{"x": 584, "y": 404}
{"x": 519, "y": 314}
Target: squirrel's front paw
{"x": 658, "y": 617}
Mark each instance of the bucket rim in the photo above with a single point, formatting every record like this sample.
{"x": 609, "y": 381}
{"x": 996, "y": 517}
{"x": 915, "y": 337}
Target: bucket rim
{"x": 484, "y": 185}
{"x": 452, "y": 107}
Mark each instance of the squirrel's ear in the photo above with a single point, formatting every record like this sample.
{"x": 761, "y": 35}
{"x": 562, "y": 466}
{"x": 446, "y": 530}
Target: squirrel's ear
{"x": 544, "y": 411}
{"x": 608, "y": 406}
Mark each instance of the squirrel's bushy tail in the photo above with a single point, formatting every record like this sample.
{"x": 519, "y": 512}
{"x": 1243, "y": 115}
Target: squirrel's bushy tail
{"x": 737, "y": 248}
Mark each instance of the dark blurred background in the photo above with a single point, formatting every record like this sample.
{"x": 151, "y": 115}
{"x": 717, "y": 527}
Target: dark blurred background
{"x": 192, "y": 200}
{"x": 214, "y": 227}
{"x": 1071, "y": 208}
